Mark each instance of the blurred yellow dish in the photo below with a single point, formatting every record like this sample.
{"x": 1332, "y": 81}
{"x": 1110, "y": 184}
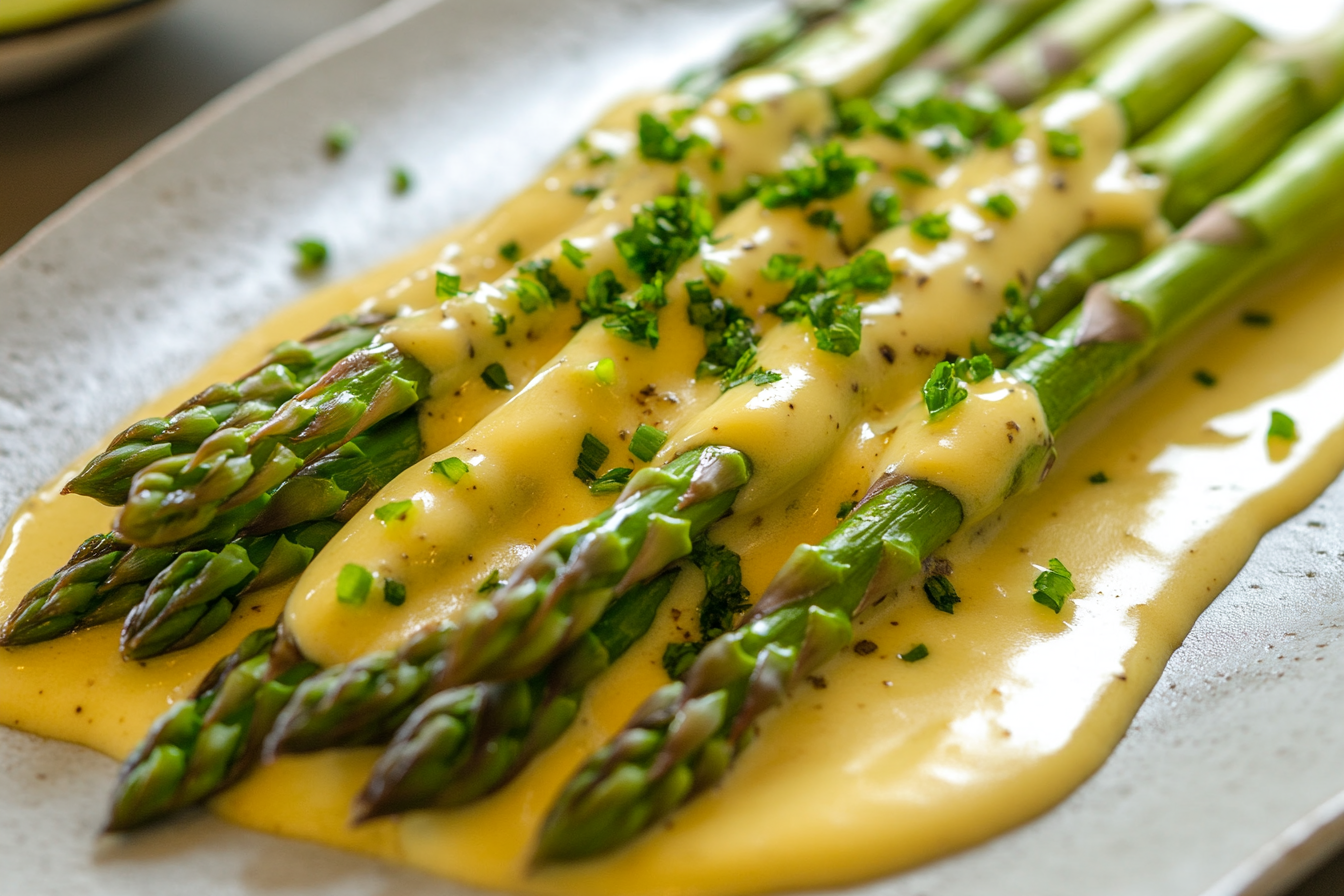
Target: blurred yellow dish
{"x": 21, "y": 15}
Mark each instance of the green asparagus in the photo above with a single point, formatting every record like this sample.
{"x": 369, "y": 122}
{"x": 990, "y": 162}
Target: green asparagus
{"x": 684, "y": 739}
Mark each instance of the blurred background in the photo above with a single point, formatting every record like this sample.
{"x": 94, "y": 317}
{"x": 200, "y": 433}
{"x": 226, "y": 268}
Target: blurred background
{"x": 61, "y": 138}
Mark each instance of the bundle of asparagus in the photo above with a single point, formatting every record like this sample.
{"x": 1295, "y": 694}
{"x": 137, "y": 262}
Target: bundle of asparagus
{"x": 438, "y": 753}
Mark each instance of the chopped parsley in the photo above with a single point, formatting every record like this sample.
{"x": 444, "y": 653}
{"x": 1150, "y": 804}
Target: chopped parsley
{"x": 646, "y": 441}
{"x": 1005, "y": 126}
{"x": 637, "y": 320}
{"x": 724, "y": 599}
{"x": 782, "y": 267}
{"x": 1099, "y": 478}
{"x": 573, "y": 254}
{"x": 585, "y": 190}
{"x": 832, "y": 174}
{"x": 499, "y": 323}
{"x": 452, "y": 469}
{"x": 1001, "y": 205}
{"x": 975, "y": 368}
{"x": 312, "y": 254}
{"x": 511, "y": 251}
{"x": 394, "y": 592}
{"x": 914, "y": 654}
{"x": 943, "y": 391}
{"x": 540, "y": 269}
{"x": 824, "y": 218}
{"x": 914, "y": 176}
{"x": 658, "y": 140}
{"x": 827, "y": 300}
{"x": 394, "y": 510}
{"x": 932, "y": 226}
{"x": 885, "y": 207}
{"x": 339, "y": 138}
{"x": 716, "y": 272}
{"x": 1281, "y": 426}
{"x": 1204, "y": 378}
{"x": 1014, "y": 330}
{"x": 402, "y": 180}
{"x": 496, "y": 378}
{"x": 665, "y": 232}
{"x": 940, "y": 593}
{"x": 1064, "y": 144}
{"x": 353, "y": 584}
{"x": 746, "y": 371}
{"x": 845, "y": 508}
{"x": 447, "y": 286}
{"x": 1053, "y": 586}
{"x": 592, "y": 455}
{"x": 750, "y": 187}
{"x": 604, "y": 371}
{"x": 727, "y": 328}
{"x": 491, "y": 583}
{"x": 603, "y": 293}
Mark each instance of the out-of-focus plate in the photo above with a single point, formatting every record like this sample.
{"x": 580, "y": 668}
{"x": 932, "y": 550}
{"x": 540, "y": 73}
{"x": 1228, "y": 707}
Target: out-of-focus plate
{"x": 181, "y": 249}
{"x": 34, "y": 57}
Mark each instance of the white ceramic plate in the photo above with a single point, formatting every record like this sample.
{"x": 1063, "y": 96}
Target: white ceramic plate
{"x": 1225, "y": 775}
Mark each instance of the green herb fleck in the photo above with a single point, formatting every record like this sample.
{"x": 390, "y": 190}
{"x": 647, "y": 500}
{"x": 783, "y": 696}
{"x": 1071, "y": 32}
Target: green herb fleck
{"x": 975, "y": 368}
{"x": 611, "y": 481}
{"x": 746, "y": 371}
{"x": 724, "y": 599}
{"x": 339, "y": 138}
{"x": 511, "y": 251}
{"x": 845, "y": 508}
{"x": 394, "y": 510}
{"x": 592, "y": 455}
{"x": 540, "y": 269}
{"x": 447, "y": 286}
{"x": 637, "y": 320}
{"x": 1001, "y": 205}
{"x": 932, "y": 226}
{"x": 1281, "y": 426}
{"x": 658, "y": 140}
{"x": 585, "y": 190}
{"x": 745, "y": 112}
{"x": 1053, "y": 586}
{"x": 402, "y": 180}
{"x": 914, "y": 176}
{"x": 943, "y": 391}
{"x": 832, "y": 174}
{"x": 496, "y": 378}
{"x": 1099, "y": 478}
{"x": 1005, "y": 126}
{"x": 312, "y": 254}
{"x": 646, "y": 441}
{"x": 452, "y": 469}
{"x": 353, "y": 584}
{"x": 604, "y": 371}
{"x": 394, "y": 592}
{"x": 665, "y": 232}
{"x": 782, "y": 267}
{"x": 500, "y": 323}
{"x": 716, "y": 272}
{"x": 885, "y": 207}
{"x": 727, "y": 328}
{"x": 573, "y": 254}
{"x": 491, "y": 583}
{"x": 603, "y": 294}
{"x": 914, "y": 654}
{"x": 1204, "y": 378}
{"x": 1064, "y": 144}
{"x": 940, "y": 593}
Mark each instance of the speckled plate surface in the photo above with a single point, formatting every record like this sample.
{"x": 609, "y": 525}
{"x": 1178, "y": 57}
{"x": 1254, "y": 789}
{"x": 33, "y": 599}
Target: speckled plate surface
{"x": 1227, "y": 779}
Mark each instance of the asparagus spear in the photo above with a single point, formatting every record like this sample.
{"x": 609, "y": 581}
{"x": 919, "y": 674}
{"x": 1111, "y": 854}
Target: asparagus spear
{"x": 286, "y": 372}
{"x": 106, "y": 578}
{"x": 469, "y": 741}
{"x": 203, "y": 744}
{"x": 684, "y": 739}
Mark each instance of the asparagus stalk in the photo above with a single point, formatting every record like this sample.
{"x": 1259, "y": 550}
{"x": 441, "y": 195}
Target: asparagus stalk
{"x": 684, "y": 739}
{"x": 107, "y": 578}
{"x": 203, "y": 744}
{"x": 286, "y": 372}
{"x": 469, "y": 741}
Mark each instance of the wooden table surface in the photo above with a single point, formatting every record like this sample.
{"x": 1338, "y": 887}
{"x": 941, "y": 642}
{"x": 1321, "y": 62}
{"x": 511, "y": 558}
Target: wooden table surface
{"x": 58, "y": 141}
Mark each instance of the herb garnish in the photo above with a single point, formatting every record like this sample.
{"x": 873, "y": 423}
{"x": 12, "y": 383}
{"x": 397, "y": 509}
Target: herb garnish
{"x": 1053, "y": 586}
{"x": 353, "y": 584}
{"x": 1281, "y": 426}
{"x": 496, "y": 378}
{"x": 724, "y": 598}
{"x": 452, "y": 469}
{"x": 939, "y": 590}
{"x": 394, "y": 510}
{"x": 646, "y": 441}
